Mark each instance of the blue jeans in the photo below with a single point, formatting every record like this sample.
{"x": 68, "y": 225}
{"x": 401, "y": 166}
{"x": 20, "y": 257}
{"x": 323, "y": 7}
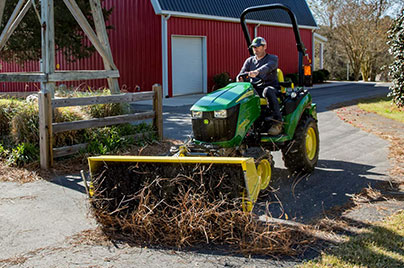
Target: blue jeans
{"x": 270, "y": 93}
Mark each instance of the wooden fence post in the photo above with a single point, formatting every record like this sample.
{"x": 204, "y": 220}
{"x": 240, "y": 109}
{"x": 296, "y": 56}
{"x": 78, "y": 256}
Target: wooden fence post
{"x": 45, "y": 130}
{"x": 158, "y": 109}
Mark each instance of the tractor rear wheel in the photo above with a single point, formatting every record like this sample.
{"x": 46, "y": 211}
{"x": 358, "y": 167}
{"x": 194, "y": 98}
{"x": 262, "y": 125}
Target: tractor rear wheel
{"x": 301, "y": 154}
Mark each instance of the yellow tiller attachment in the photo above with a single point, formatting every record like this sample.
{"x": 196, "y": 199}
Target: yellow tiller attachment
{"x": 252, "y": 182}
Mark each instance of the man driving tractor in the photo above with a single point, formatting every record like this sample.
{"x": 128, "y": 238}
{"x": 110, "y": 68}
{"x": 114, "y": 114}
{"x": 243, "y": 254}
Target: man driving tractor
{"x": 264, "y": 66}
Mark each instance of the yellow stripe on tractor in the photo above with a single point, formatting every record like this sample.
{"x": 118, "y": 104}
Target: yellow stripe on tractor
{"x": 251, "y": 178}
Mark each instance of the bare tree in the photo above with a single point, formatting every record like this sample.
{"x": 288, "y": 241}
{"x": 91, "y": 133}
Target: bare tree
{"x": 358, "y": 32}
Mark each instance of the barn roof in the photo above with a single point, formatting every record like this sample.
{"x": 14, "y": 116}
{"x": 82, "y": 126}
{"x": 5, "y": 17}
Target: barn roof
{"x": 231, "y": 9}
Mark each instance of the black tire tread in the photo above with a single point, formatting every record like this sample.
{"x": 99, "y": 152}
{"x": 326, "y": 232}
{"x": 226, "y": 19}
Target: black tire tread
{"x": 294, "y": 153}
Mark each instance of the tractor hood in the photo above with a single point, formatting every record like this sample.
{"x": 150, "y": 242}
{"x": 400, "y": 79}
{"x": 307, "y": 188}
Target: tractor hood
{"x": 224, "y": 98}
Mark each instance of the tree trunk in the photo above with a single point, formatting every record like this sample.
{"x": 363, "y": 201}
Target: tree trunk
{"x": 356, "y": 68}
{"x": 357, "y": 74}
{"x": 365, "y": 70}
{"x": 373, "y": 74}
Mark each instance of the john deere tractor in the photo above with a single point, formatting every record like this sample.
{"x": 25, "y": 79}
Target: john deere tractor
{"x": 230, "y": 133}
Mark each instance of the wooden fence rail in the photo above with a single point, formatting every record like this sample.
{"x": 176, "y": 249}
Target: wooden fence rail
{"x": 46, "y": 106}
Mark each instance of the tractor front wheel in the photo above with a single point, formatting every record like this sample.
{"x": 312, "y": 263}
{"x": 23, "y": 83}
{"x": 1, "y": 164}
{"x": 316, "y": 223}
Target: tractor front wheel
{"x": 264, "y": 171}
{"x": 301, "y": 154}
{"x": 264, "y": 163}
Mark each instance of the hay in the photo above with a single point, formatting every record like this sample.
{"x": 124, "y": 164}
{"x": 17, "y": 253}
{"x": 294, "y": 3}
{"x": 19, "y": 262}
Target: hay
{"x": 14, "y": 174}
{"x": 186, "y": 206}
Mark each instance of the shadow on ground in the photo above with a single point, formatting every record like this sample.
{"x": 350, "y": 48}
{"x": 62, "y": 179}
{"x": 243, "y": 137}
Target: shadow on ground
{"x": 71, "y": 182}
{"x": 303, "y": 197}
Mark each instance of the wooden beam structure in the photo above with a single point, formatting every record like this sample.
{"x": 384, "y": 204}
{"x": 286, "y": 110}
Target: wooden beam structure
{"x": 117, "y": 98}
{"x": 102, "y": 34}
{"x": 85, "y": 26}
{"x": 23, "y": 77}
{"x": 2, "y": 6}
{"x": 16, "y": 17}
{"x": 45, "y": 130}
{"x": 101, "y": 122}
{"x": 47, "y": 75}
{"x": 47, "y": 88}
{"x": 58, "y": 76}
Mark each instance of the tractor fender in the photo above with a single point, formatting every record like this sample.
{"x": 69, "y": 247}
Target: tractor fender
{"x": 292, "y": 120}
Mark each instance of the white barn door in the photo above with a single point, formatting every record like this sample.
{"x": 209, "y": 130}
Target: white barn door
{"x": 188, "y": 65}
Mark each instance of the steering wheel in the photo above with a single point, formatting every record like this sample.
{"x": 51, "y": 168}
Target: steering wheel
{"x": 255, "y": 81}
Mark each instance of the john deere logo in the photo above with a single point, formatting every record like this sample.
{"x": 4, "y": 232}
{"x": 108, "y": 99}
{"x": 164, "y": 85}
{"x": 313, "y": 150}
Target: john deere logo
{"x": 206, "y": 121}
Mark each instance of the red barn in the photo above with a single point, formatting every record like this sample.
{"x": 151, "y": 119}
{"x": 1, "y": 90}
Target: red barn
{"x": 182, "y": 44}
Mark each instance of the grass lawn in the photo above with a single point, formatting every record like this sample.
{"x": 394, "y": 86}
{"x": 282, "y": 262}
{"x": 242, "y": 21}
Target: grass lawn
{"x": 380, "y": 245}
{"x": 383, "y": 107}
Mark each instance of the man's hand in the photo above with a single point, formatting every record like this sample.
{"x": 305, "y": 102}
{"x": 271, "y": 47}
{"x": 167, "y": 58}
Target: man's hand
{"x": 240, "y": 79}
{"x": 253, "y": 74}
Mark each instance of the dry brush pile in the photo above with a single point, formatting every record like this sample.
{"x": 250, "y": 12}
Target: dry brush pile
{"x": 185, "y": 206}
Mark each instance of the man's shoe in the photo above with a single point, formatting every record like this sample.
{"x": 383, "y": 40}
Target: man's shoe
{"x": 275, "y": 130}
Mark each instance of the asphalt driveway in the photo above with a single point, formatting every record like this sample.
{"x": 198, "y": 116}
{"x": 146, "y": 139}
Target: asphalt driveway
{"x": 46, "y": 224}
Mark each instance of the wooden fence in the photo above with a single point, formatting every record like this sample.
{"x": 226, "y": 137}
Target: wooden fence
{"x": 49, "y": 128}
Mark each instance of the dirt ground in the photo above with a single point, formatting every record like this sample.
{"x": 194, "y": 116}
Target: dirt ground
{"x": 70, "y": 238}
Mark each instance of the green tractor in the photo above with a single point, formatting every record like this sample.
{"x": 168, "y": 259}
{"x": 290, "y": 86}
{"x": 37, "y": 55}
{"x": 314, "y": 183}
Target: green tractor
{"x": 229, "y": 140}
{"x": 231, "y": 121}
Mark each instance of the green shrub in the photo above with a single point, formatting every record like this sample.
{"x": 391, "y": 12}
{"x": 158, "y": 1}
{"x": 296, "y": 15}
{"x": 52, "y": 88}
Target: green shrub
{"x": 318, "y": 77}
{"x": 105, "y": 140}
{"x": 7, "y": 110}
{"x": 109, "y": 139}
{"x": 326, "y": 73}
{"x": 22, "y": 154}
{"x": 221, "y": 80}
{"x": 3, "y": 152}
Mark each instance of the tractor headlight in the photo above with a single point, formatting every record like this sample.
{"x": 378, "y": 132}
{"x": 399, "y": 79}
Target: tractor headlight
{"x": 196, "y": 114}
{"x": 221, "y": 114}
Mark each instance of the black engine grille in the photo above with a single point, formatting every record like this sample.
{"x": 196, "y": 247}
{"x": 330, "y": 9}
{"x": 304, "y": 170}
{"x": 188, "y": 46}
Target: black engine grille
{"x": 217, "y": 129}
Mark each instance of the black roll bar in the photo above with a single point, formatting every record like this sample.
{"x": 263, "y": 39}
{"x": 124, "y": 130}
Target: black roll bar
{"x": 299, "y": 44}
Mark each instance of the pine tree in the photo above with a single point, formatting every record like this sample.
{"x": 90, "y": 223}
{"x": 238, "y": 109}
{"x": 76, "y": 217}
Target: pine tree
{"x": 396, "y": 43}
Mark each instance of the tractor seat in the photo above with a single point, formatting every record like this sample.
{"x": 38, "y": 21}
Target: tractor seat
{"x": 283, "y": 84}
{"x": 286, "y": 84}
